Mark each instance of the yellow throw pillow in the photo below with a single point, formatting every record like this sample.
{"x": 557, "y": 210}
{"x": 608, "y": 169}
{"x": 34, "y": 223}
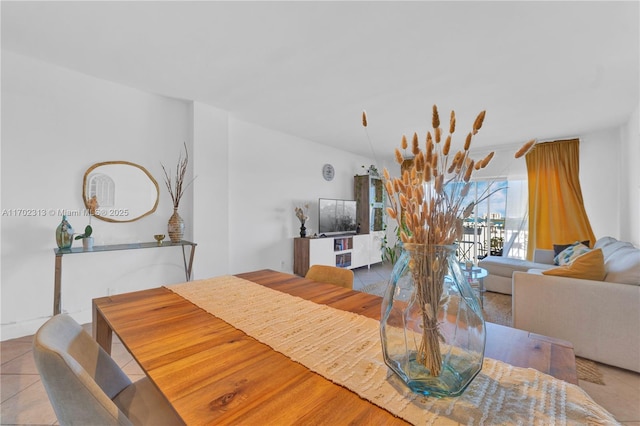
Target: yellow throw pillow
{"x": 589, "y": 266}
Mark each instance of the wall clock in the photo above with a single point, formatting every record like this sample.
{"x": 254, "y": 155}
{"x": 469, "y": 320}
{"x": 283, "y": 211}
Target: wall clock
{"x": 328, "y": 172}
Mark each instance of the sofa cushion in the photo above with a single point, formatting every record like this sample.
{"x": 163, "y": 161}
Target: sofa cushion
{"x": 612, "y": 248}
{"x": 571, "y": 253}
{"x": 543, "y": 256}
{"x": 624, "y": 266}
{"x": 588, "y": 266}
{"x": 504, "y": 266}
{"x": 603, "y": 241}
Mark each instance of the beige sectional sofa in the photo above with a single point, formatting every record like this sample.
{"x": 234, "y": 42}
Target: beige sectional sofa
{"x": 600, "y": 318}
{"x": 501, "y": 269}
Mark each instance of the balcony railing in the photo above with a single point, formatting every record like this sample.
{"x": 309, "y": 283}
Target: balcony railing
{"x": 480, "y": 241}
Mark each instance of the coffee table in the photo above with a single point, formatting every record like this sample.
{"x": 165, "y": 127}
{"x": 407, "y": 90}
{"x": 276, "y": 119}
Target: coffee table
{"x": 476, "y": 276}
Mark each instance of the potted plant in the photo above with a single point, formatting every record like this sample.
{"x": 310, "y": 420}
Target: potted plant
{"x": 87, "y": 239}
{"x": 496, "y": 246}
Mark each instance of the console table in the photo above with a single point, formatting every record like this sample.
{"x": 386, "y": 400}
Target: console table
{"x": 57, "y": 286}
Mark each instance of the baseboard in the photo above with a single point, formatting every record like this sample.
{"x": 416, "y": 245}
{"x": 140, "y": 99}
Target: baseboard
{"x": 29, "y": 327}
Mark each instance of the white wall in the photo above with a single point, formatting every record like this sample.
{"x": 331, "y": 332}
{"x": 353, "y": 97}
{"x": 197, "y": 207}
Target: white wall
{"x": 55, "y": 124}
{"x": 601, "y": 181}
{"x": 210, "y": 191}
{"x": 269, "y": 174}
{"x": 630, "y": 179}
{"x": 240, "y": 210}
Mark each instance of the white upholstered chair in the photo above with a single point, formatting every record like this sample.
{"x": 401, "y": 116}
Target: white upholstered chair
{"x": 86, "y": 386}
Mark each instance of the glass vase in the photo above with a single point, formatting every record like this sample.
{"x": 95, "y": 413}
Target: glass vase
{"x": 432, "y": 328}
{"x": 64, "y": 234}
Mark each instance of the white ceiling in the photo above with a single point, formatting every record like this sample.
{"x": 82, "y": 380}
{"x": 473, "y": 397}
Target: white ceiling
{"x": 541, "y": 69}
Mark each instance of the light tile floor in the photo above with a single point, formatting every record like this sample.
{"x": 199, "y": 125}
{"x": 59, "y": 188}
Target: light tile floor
{"x": 23, "y": 399}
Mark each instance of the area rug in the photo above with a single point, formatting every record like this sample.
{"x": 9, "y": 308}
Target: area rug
{"x": 497, "y": 309}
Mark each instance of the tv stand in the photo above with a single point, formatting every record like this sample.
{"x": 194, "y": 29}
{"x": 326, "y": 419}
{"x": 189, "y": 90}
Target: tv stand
{"x": 344, "y": 251}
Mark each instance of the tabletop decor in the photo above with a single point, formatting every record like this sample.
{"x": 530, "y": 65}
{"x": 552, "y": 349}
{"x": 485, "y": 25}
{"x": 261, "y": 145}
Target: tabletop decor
{"x": 86, "y": 237}
{"x": 301, "y": 214}
{"x": 176, "y": 191}
{"x": 64, "y": 234}
{"x": 432, "y": 328}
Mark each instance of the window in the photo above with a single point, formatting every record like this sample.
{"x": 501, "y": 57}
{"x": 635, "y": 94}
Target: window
{"x": 495, "y": 227}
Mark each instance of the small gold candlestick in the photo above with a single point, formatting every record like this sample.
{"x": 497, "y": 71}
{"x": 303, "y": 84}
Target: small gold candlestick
{"x": 159, "y": 238}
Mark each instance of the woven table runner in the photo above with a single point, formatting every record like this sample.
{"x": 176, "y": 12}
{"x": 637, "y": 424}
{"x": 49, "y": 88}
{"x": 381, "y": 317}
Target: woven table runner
{"x": 345, "y": 348}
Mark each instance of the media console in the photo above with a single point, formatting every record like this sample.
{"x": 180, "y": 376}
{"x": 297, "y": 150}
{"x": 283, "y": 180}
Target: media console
{"x": 344, "y": 251}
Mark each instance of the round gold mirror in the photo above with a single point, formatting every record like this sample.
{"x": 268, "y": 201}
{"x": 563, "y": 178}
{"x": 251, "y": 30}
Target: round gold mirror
{"x": 123, "y": 191}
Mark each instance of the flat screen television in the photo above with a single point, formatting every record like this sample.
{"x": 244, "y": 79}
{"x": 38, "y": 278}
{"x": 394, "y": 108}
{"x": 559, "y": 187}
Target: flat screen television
{"x": 336, "y": 216}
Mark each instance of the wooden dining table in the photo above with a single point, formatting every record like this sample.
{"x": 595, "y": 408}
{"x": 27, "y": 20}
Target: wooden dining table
{"x": 212, "y": 373}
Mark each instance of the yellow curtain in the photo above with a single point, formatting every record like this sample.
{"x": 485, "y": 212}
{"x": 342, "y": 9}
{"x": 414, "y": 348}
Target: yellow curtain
{"x": 556, "y": 208}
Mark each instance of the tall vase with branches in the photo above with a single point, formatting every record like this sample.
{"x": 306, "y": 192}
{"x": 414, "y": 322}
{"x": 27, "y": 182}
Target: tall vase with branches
{"x": 432, "y": 327}
{"x": 176, "y": 188}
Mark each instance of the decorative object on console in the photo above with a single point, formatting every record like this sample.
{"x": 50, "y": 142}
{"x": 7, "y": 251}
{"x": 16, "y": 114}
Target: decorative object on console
{"x": 87, "y": 239}
{"x": 372, "y": 170}
{"x": 176, "y": 191}
{"x": 175, "y": 227}
{"x": 159, "y": 238}
{"x": 301, "y": 214}
{"x": 427, "y": 285}
{"x": 64, "y": 234}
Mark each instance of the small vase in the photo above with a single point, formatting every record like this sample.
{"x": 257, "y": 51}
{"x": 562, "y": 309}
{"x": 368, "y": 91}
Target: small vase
{"x": 176, "y": 227}
{"x": 432, "y": 329}
{"x": 303, "y": 231}
{"x": 64, "y": 234}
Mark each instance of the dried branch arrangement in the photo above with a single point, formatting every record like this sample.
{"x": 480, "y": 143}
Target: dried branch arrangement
{"x": 427, "y": 202}
{"x": 176, "y": 189}
{"x": 301, "y": 213}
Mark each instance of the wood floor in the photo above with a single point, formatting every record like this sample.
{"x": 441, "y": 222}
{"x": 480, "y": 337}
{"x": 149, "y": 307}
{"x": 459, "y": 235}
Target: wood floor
{"x": 24, "y": 400}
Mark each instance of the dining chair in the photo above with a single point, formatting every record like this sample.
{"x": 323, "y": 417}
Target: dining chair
{"x": 331, "y": 274}
{"x": 87, "y": 387}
